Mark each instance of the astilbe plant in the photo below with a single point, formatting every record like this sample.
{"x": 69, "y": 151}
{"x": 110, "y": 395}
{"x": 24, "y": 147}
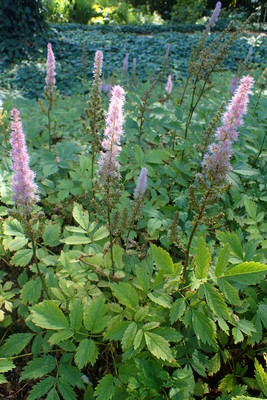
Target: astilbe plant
{"x": 50, "y": 91}
{"x": 216, "y": 163}
{"x": 24, "y": 189}
{"x": 205, "y": 59}
{"x": 109, "y": 167}
{"x": 94, "y": 113}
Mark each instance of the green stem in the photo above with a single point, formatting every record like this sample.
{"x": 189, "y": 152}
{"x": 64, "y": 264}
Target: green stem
{"x": 49, "y": 126}
{"x": 197, "y": 219}
{"x": 92, "y": 170}
{"x": 110, "y": 239}
{"x": 260, "y": 151}
{"x": 38, "y": 269}
{"x": 185, "y": 87}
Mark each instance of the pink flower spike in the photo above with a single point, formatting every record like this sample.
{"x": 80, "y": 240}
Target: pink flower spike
{"x": 168, "y": 87}
{"x": 50, "y": 70}
{"x": 216, "y": 162}
{"x": 141, "y": 184}
{"x": 23, "y": 186}
{"x": 108, "y": 165}
{"x": 98, "y": 64}
{"x": 215, "y": 15}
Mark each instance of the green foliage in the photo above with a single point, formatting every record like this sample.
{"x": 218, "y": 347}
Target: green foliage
{"x": 188, "y": 11}
{"x": 184, "y": 296}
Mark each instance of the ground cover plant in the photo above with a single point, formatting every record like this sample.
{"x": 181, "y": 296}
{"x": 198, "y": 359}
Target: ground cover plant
{"x": 133, "y": 230}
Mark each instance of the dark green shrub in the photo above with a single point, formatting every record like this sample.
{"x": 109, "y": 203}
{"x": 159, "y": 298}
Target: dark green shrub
{"x": 188, "y": 10}
{"x": 21, "y": 21}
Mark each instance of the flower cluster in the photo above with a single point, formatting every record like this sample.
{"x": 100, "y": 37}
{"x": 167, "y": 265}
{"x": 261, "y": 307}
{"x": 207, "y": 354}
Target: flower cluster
{"x": 50, "y": 71}
{"x": 215, "y": 15}
{"x": 98, "y": 65}
{"x": 108, "y": 164}
{"x": 141, "y": 184}
{"x": 23, "y": 186}
{"x": 216, "y": 163}
{"x": 168, "y": 87}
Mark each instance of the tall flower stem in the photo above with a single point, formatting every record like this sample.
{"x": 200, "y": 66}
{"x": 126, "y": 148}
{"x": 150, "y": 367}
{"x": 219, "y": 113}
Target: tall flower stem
{"x": 110, "y": 239}
{"x": 38, "y": 269}
{"x": 195, "y": 225}
{"x": 49, "y": 124}
{"x": 260, "y": 150}
{"x": 34, "y": 252}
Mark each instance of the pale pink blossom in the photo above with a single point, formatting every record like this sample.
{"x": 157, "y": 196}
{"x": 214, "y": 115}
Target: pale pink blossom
{"x": 23, "y": 186}
{"x": 50, "y": 70}
{"x": 108, "y": 165}
{"x": 215, "y": 15}
{"x": 168, "y": 87}
{"x": 98, "y": 64}
{"x": 141, "y": 184}
{"x": 216, "y": 162}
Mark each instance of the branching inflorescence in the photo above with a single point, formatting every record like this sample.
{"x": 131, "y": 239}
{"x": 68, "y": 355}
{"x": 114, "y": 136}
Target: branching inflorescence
{"x": 216, "y": 162}
{"x": 23, "y": 186}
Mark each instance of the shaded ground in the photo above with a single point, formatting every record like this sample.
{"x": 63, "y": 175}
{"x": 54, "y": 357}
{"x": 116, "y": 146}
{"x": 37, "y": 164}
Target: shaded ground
{"x": 68, "y": 41}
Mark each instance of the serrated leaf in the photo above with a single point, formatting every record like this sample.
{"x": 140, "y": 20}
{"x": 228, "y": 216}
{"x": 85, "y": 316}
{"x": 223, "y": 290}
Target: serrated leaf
{"x": 80, "y": 216}
{"x": 246, "y": 326}
{"x": 66, "y": 390}
{"x": 237, "y": 335}
{"x": 76, "y": 315}
{"x": 129, "y": 335}
{"x": 138, "y": 339}
{"x": 214, "y": 364}
{"x": 86, "y": 352}
{"x": 3, "y": 379}
{"x": 262, "y": 312}
{"x": 251, "y": 207}
{"x": 163, "y": 259}
{"x": 118, "y": 253}
{"x": 60, "y": 336}
{"x": 142, "y": 278}
{"x": 38, "y": 367}
{"x": 161, "y": 298}
{"x": 126, "y": 294}
{"x": 17, "y": 243}
{"x": 76, "y": 240}
{"x": 41, "y": 388}
{"x": 177, "y": 310}
{"x": 204, "y": 328}
{"x": 116, "y": 330}
{"x": 51, "y": 235}
{"x": 247, "y": 273}
{"x": 49, "y": 316}
{"x": 229, "y": 291}
{"x": 22, "y": 258}
{"x": 202, "y": 259}
{"x": 100, "y": 234}
{"x": 13, "y": 228}
{"x": 236, "y": 245}
{"x": 15, "y": 344}
{"x": 158, "y": 346}
{"x": 261, "y": 377}
{"x": 227, "y": 383}
{"x": 105, "y": 388}
{"x": 216, "y": 302}
{"x": 96, "y": 319}
{"x": 6, "y": 365}
{"x": 31, "y": 291}
{"x": 222, "y": 261}
{"x": 52, "y": 395}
